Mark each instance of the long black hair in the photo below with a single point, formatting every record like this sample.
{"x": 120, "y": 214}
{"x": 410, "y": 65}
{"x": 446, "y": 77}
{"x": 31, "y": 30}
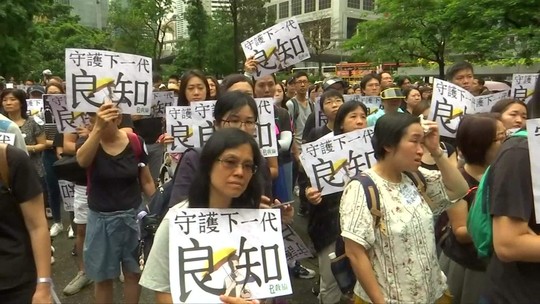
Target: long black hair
{"x": 231, "y": 102}
{"x": 182, "y": 99}
{"x": 20, "y": 95}
{"x": 221, "y": 140}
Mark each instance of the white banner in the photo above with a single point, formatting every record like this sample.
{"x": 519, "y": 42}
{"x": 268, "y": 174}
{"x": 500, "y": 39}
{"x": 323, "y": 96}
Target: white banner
{"x": 160, "y": 101}
{"x": 277, "y": 47}
{"x": 66, "y": 121}
{"x": 35, "y": 108}
{"x": 203, "y": 124}
{"x": 372, "y": 103}
{"x": 329, "y": 161}
{"x": 533, "y": 136}
{"x": 67, "y": 191}
{"x": 178, "y": 124}
{"x": 221, "y": 251}
{"x": 484, "y": 103}
{"x": 7, "y": 138}
{"x": 295, "y": 248}
{"x": 523, "y": 86}
{"x": 96, "y": 76}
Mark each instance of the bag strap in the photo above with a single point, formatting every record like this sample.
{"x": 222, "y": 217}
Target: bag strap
{"x": 372, "y": 197}
{"x": 4, "y": 169}
{"x": 420, "y": 182}
{"x": 135, "y": 145}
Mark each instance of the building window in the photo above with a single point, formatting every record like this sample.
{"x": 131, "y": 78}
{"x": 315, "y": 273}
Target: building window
{"x": 324, "y": 4}
{"x": 369, "y": 5}
{"x": 272, "y": 12}
{"x": 296, "y": 7}
{"x": 284, "y": 10}
{"x": 353, "y": 4}
{"x": 309, "y": 6}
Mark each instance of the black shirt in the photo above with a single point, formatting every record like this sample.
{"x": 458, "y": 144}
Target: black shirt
{"x": 323, "y": 222}
{"x": 308, "y": 127}
{"x": 283, "y": 123}
{"x": 511, "y": 194}
{"x": 149, "y": 129}
{"x": 114, "y": 180}
{"x": 450, "y": 150}
{"x": 17, "y": 265}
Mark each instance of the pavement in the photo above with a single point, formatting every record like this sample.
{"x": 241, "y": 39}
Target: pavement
{"x": 65, "y": 268}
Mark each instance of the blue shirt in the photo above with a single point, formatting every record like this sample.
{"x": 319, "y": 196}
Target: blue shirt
{"x": 372, "y": 119}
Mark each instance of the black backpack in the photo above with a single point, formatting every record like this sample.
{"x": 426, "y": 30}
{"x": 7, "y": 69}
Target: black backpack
{"x": 151, "y": 216}
{"x": 340, "y": 263}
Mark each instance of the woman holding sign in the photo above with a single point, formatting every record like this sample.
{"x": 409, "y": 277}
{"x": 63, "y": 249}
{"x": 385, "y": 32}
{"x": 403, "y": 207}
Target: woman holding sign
{"x": 323, "y": 225}
{"x": 228, "y": 177}
{"x": 392, "y": 250}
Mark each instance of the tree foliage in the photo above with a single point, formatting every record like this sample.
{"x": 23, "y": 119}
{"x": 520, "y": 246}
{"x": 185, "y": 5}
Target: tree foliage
{"x": 52, "y": 31}
{"x": 139, "y": 26}
{"x": 435, "y": 30}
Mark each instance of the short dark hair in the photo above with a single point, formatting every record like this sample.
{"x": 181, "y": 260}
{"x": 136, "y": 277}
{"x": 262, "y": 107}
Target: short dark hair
{"x": 156, "y": 77}
{"x": 409, "y": 90}
{"x": 502, "y": 105}
{"x": 300, "y": 74}
{"x": 475, "y": 135}
{"x": 456, "y": 68}
{"x": 233, "y": 101}
{"x": 481, "y": 81}
{"x": 389, "y": 130}
{"x": 422, "y": 106}
{"x": 231, "y": 79}
{"x": 174, "y": 76}
{"x": 401, "y": 79}
{"x": 20, "y": 95}
{"x": 367, "y": 78}
{"x": 221, "y": 140}
{"x": 182, "y": 99}
{"x": 344, "y": 110}
{"x": 328, "y": 94}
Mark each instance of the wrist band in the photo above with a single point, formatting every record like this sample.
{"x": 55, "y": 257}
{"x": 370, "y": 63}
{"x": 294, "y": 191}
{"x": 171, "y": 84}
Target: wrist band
{"x": 45, "y": 280}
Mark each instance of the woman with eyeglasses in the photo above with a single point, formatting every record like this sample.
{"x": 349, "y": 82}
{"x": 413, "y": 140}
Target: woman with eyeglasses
{"x": 228, "y": 177}
{"x": 479, "y": 138}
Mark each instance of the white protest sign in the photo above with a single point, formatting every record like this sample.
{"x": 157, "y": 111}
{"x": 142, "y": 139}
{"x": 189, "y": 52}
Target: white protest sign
{"x": 266, "y": 128}
{"x": 178, "y": 123}
{"x": 203, "y": 121}
{"x": 265, "y": 135}
{"x": 533, "y": 135}
{"x": 448, "y": 105}
{"x": 96, "y": 76}
{"x": 66, "y": 121}
{"x": 35, "y": 108}
{"x": 277, "y": 47}
{"x": 484, "y": 103}
{"x": 161, "y": 100}
{"x": 221, "y": 251}
{"x": 372, "y": 103}
{"x": 295, "y": 248}
{"x": 67, "y": 191}
{"x": 523, "y": 86}
{"x": 7, "y": 138}
{"x": 329, "y": 161}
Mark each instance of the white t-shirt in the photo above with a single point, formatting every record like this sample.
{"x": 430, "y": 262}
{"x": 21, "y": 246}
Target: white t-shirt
{"x": 402, "y": 250}
{"x": 8, "y": 126}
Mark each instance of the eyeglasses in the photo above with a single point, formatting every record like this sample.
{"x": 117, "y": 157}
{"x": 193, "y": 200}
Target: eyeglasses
{"x": 231, "y": 164}
{"x": 332, "y": 101}
{"x": 238, "y": 123}
{"x": 302, "y": 82}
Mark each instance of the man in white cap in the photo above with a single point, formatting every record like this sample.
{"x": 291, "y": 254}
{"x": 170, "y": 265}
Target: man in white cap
{"x": 47, "y": 74}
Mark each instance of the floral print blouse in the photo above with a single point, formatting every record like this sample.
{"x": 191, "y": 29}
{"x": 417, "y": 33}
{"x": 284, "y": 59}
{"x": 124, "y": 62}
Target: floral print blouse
{"x": 402, "y": 248}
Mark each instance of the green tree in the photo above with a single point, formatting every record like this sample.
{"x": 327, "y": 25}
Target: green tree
{"x": 140, "y": 27}
{"x": 52, "y": 31}
{"x": 496, "y": 29}
{"x": 15, "y": 30}
{"x": 418, "y": 29}
{"x": 192, "y": 50}
{"x": 220, "y": 59}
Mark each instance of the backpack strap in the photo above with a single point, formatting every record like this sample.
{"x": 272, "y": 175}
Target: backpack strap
{"x": 135, "y": 145}
{"x": 372, "y": 197}
{"x": 4, "y": 169}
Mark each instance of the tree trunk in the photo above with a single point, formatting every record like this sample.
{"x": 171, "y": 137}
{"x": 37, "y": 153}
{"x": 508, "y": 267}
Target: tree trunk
{"x": 234, "y": 15}
{"x": 441, "y": 68}
{"x": 319, "y": 61}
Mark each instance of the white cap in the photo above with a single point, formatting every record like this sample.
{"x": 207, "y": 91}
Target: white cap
{"x": 47, "y": 72}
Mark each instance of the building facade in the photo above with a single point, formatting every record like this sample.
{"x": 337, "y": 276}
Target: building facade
{"x": 92, "y": 13}
{"x": 326, "y": 23}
